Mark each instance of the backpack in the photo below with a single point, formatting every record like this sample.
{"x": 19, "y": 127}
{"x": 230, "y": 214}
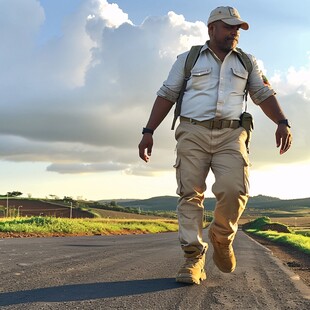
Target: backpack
{"x": 189, "y": 64}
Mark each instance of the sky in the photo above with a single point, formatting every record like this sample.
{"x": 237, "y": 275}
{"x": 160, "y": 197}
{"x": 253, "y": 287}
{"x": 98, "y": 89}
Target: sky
{"x": 78, "y": 79}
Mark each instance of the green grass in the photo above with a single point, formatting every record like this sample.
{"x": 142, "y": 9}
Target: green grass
{"x": 300, "y": 240}
{"x": 303, "y": 232}
{"x": 51, "y": 225}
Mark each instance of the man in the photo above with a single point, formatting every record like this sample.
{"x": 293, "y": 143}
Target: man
{"x": 209, "y": 137}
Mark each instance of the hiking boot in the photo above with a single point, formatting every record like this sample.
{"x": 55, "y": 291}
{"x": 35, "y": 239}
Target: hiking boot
{"x": 193, "y": 270}
{"x": 223, "y": 255}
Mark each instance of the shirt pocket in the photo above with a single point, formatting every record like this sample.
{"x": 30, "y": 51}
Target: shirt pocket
{"x": 238, "y": 80}
{"x": 201, "y": 78}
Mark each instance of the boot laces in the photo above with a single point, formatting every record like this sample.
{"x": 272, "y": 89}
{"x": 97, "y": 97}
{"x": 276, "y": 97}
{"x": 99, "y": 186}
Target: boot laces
{"x": 191, "y": 262}
{"x": 226, "y": 249}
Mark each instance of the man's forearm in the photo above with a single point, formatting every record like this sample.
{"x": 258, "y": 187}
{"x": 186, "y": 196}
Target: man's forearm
{"x": 160, "y": 110}
{"x": 272, "y": 109}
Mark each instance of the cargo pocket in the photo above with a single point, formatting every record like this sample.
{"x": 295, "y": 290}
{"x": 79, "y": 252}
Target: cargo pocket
{"x": 243, "y": 145}
{"x": 246, "y": 168}
{"x": 239, "y": 80}
{"x": 178, "y": 175}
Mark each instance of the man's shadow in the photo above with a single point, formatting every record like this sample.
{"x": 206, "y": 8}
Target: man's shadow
{"x": 88, "y": 291}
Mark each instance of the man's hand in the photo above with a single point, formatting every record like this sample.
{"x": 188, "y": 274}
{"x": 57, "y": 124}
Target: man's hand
{"x": 272, "y": 109}
{"x": 283, "y": 138}
{"x": 160, "y": 110}
{"x": 145, "y": 147}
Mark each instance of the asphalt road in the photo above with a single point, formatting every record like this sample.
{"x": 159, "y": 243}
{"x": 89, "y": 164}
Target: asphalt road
{"x": 137, "y": 272}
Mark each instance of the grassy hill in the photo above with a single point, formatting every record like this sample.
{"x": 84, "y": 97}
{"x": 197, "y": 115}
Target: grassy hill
{"x": 122, "y": 215}
{"x": 257, "y": 204}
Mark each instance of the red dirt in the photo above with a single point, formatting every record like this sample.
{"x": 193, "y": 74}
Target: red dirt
{"x": 28, "y": 207}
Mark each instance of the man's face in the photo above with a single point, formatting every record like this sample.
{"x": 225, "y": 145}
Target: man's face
{"x": 224, "y": 36}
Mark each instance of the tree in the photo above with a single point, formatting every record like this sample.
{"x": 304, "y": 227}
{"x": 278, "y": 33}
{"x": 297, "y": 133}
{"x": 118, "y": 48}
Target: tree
{"x": 67, "y": 199}
{"x": 12, "y": 194}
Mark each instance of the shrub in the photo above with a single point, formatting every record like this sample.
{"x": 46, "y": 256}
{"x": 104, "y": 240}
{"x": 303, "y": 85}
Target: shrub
{"x": 257, "y": 223}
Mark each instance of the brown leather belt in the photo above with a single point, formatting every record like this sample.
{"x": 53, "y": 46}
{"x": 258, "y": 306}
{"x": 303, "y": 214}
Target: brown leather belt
{"x": 213, "y": 124}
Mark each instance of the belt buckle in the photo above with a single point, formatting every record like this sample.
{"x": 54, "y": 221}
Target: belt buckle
{"x": 217, "y": 124}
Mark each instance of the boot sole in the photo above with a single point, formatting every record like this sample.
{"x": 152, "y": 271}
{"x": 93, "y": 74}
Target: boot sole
{"x": 230, "y": 270}
{"x": 218, "y": 264}
{"x": 186, "y": 278}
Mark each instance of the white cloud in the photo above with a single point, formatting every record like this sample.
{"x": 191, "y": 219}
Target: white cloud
{"x": 112, "y": 14}
{"x": 78, "y": 102}
{"x": 294, "y": 80}
{"x": 293, "y": 93}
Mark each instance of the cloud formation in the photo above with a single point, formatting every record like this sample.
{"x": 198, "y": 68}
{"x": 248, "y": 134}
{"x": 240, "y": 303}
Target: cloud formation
{"x": 78, "y": 101}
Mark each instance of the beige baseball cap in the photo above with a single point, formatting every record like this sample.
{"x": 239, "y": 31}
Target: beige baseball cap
{"x": 228, "y": 15}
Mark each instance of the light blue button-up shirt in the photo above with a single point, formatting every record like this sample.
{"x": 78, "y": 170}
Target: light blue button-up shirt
{"x": 215, "y": 88}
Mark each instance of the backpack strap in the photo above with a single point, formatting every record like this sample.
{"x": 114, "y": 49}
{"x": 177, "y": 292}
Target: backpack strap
{"x": 189, "y": 64}
{"x": 245, "y": 60}
{"x": 248, "y": 66}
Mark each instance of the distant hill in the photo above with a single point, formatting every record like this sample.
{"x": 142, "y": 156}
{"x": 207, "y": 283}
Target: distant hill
{"x": 257, "y": 206}
{"x": 260, "y": 202}
{"x": 263, "y": 202}
{"x": 119, "y": 201}
{"x": 162, "y": 203}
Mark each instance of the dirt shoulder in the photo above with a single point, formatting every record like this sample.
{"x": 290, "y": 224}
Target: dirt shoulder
{"x": 297, "y": 261}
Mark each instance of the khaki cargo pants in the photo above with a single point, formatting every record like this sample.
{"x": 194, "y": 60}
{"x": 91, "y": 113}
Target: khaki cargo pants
{"x": 200, "y": 149}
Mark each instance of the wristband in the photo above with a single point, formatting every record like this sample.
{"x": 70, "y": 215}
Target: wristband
{"x": 285, "y": 122}
{"x": 147, "y": 130}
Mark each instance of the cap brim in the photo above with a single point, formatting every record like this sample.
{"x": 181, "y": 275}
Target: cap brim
{"x": 234, "y": 22}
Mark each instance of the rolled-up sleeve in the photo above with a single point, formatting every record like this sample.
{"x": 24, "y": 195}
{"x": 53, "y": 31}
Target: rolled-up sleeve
{"x": 172, "y": 86}
{"x": 259, "y": 89}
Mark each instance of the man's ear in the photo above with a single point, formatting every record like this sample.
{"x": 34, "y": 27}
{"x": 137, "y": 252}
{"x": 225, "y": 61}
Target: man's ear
{"x": 211, "y": 29}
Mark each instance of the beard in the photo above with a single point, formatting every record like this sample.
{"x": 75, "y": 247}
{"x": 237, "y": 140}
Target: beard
{"x": 231, "y": 43}
{"x": 224, "y": 43}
